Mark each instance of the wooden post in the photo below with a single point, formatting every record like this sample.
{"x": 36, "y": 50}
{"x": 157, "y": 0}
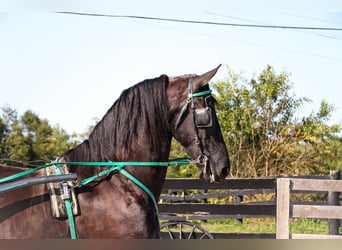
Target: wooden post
{"x": 204, "y": 201}
{"x": 333, "y": 199}
{"x": 283, "y": 208}
{"x": 239, "y": 199}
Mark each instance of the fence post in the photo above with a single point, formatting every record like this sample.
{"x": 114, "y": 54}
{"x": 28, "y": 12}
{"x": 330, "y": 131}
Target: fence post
{"x": 333, "y": 199}
{"x": 283, "y": 208}
{"x": 239, "y": 199}
{"x": 204, "y": 201}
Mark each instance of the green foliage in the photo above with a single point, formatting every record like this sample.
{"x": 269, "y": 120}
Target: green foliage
{"x": 190, "y": 171}
{"x": 263, "y": 134}
{"x": 30, "y": 138}
{"x": 259, "y": 123}
{"x": 3, "y": 135}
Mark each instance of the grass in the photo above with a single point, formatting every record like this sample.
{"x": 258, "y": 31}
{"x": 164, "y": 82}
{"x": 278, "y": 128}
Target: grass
{"x": 297, "y": 226}
{"x": 234, "y": 226}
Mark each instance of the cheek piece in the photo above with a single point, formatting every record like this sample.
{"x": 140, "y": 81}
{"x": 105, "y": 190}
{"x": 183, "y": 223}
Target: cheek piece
{"x": 201, "y": 118}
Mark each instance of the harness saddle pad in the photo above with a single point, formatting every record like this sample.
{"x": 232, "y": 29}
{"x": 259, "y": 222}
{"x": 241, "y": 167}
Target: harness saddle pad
{"x": 56, "y": 192}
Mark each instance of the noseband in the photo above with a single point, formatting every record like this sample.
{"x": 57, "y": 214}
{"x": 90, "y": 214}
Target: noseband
{"x": 201, "y": 118}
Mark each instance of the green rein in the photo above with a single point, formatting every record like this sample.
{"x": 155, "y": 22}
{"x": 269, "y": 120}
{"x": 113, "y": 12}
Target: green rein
{"x": 114, "y": 167}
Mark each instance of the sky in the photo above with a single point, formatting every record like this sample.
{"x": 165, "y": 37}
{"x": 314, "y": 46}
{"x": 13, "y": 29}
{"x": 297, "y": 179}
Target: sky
{"x": 70, "y": 69}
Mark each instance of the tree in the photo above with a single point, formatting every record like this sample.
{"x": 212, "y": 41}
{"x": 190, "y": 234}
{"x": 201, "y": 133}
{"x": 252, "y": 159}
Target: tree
{"x": 263, "y": 134}
{"x": 7, "y": 118}
{"x": 3, "y": 137}
{"x": 324, "y": 138}
{"x": 30, "y": 138}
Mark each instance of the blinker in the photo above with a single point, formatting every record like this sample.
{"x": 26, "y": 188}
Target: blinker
{"x": 203, "y": 117}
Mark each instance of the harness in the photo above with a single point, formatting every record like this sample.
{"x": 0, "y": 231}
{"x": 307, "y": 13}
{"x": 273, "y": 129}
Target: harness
{"x": 201, "y": 118}
{"x": 67, "y": 188}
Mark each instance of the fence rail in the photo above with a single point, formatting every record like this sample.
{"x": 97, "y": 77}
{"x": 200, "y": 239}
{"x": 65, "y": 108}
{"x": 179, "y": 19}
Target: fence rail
{"x": 178, "y": 204}
{"x": 287, "y": 209}
{"x": 187, "y": 199}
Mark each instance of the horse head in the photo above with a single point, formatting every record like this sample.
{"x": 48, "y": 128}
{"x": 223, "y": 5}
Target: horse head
{"x": 195, "y": 125}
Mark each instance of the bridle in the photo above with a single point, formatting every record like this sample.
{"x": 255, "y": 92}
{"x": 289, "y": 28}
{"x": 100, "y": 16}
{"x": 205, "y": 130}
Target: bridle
{"x": 201, "y": 118}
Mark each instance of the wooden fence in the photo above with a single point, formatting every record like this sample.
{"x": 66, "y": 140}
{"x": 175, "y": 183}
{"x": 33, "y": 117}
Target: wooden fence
{"x": 287, "y": 209}
{"x": 178, "y": 204}
{"x": 187, "y": 200}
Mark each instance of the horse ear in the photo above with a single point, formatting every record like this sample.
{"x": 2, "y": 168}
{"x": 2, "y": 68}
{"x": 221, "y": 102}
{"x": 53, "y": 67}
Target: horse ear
{"x": 200, "y": 81}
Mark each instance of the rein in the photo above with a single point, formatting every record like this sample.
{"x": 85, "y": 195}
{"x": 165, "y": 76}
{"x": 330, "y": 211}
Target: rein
{"x": 114, "y": 167}
{"x": 119, "y": 166}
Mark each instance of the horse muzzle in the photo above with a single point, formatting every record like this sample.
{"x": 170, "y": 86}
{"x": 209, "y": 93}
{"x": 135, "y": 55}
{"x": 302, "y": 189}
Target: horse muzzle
{"x": 213, "y": 171}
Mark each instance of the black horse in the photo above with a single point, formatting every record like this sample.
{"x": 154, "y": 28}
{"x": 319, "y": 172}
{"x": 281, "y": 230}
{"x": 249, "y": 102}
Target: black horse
{"x": 138, "y": 127}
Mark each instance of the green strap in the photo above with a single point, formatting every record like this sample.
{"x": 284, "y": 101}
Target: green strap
{"x": 71, "y": 219}
{"x": 116, "y": 166}
{"x": 207, "y": 92}
{"x": 121, "y": 170}
{"x": 92, "y": 178}
{"x": 170, "y": 163}
{"x": 141, "y": 185}
{"x": 58, "y": 171}
{"x": 68, "y": 209}
{"x": 27, "y": 172}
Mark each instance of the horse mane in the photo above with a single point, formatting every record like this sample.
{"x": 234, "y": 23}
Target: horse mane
{"x": 138, "y": 118}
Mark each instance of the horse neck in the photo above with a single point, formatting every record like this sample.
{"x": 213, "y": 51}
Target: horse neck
{"x": 135, "y": 128}
{"x": 152, "y": 177}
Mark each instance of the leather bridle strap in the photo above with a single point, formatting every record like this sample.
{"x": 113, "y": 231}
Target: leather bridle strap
{"x": 202, "y": 158}
{"x": 197, "y": 139}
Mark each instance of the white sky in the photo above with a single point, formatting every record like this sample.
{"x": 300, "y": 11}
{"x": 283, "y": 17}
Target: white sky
{"x": 70, "y": 69}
